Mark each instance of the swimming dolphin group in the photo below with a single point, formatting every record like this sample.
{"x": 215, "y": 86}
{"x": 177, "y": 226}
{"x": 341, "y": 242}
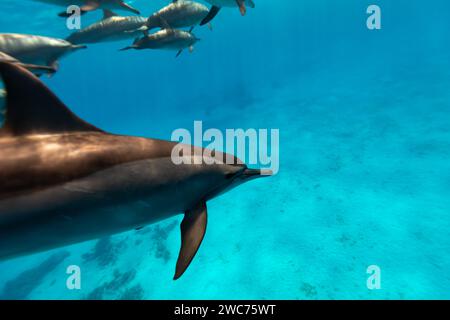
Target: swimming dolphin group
{"x": 169, "y": 19}
{"x": 45, "y": 52}
{"x": 64, "y": 181}
{"x": 176, "y": 15}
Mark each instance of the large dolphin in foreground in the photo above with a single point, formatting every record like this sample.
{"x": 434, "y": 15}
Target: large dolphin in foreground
{"x": 91, "y": 5}
{"x": 38, "y": 50}
{"x": 218, "y": 4}
{"x": 65, "y": 181}
{"x": 111, "y": 28}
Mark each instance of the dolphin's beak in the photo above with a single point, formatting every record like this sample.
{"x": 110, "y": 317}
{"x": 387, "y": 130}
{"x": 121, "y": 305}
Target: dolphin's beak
{"x": 256, "y": 173}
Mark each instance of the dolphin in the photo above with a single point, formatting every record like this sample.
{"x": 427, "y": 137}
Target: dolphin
{"x": 178, "y": 14}
{"x": 218, "y": 4}
{"x": 167, "y": 39}
{"x": 38, "y": 50}
{"x": 37, "y": 69}
{"x": 111, "y": 28}
{"x": 65, "y": 181}
{"x": 91, "y": 5}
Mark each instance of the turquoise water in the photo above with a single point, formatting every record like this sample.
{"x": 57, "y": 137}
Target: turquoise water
{"x": 364, "y": 149}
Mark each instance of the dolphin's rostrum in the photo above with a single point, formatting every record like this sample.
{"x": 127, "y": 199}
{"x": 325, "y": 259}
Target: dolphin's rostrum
{"x": 65, "y": 181}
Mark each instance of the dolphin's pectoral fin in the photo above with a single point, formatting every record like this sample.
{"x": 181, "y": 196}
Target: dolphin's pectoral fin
{"x": 33, "y": 108}
{"x": 179, "y": 53}
{"x": 38, "y": 69}
{"x": 242, "y": 8}
{"x": 127, "y": 7}
{"x": 212, "y": 13}
{"x": 193, "y": 230}
{"x": 54, "y": 64}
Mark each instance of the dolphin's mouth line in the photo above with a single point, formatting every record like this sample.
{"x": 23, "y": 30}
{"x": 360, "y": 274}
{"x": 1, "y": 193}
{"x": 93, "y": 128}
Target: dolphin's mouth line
{"x": 245, "y": 174}
{"x": 251, "y": 172}
{"x": 256, "y": 173}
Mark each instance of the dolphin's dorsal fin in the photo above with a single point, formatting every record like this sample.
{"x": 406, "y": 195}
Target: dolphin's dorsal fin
{"x": 108, "y": 14}
{"x": 32, "y": 108}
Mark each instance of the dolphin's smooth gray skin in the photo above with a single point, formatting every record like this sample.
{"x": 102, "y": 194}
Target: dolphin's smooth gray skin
{"x": 65, "y": 181}
{"x": 218, "y": 4}
{"x": 178, "y": 14}
{"x": 38, "y": 50}
{"x": 91, "y": 5}
{"x": 111, "y": 28}
{"x": 166, "y": 39}
{"x": 37, "y": 69}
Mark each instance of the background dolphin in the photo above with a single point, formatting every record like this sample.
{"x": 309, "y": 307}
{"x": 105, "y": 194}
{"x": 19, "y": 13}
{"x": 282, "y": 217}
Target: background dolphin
{"x": 111, "y": 28}
{"x": 178, "y": 14}
{"x": 66, "y": 181}
{"x": 166, "y": 39}
{"x": 91, "y": 5}
{"x": 38, "y": 50}
{"x": 218, "y": 4}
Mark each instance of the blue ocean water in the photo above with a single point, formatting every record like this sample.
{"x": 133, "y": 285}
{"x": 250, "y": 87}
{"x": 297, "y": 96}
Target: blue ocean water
{"x": 364, "y": 149}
